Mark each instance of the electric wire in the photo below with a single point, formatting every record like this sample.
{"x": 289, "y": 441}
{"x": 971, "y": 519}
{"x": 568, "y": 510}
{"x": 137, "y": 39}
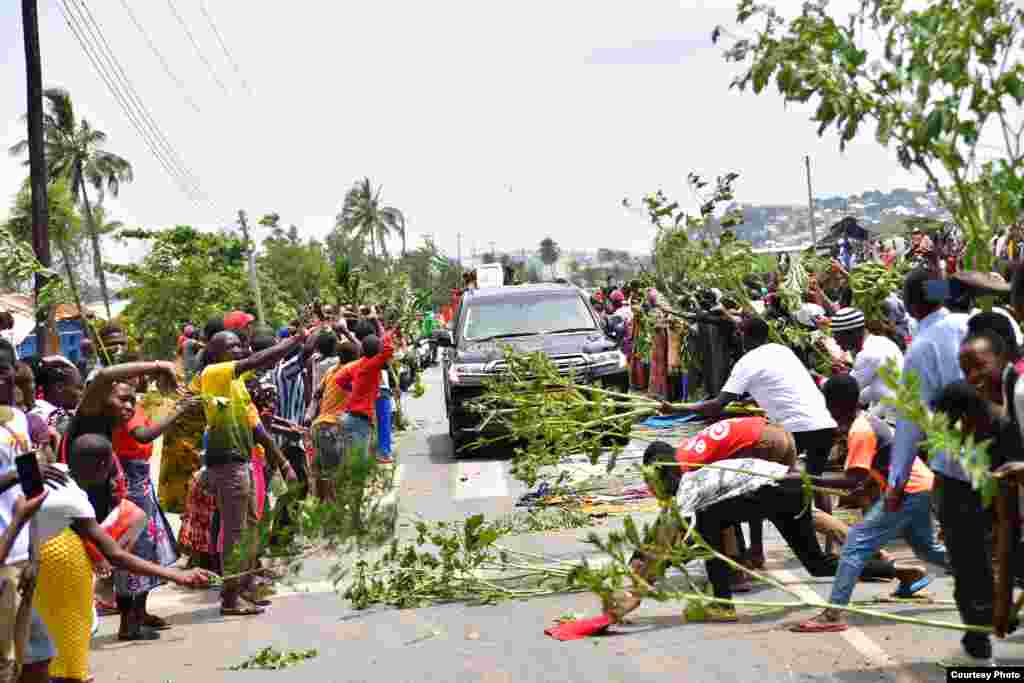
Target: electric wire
{"x": 129, "y": 88}
{"x": 159, "y": 55}
{"x": 199, "y": 51}
{"x": 79, "y": 35}
{"x": 223, "y": 46}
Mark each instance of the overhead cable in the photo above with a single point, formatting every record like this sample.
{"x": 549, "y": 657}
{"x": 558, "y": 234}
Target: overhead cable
{"x": 129, "y": 88}
{"x": 223, "y": 46}
{"x": 87, "y": 48}
{"x": 199, "y": 51}
{"x": 156, "y": 52}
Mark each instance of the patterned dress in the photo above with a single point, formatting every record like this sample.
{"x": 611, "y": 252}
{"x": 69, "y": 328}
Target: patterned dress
{"x": 157, "y": 543}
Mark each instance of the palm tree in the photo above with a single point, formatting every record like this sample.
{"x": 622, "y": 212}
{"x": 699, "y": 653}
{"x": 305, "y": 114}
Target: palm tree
{"x": 74, "y": 152}
{"x": 364, "y": 219}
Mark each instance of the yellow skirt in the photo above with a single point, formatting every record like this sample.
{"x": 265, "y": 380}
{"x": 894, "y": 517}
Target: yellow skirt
{"x": 63, "y": 598}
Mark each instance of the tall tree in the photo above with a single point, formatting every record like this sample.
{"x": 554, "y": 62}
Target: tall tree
{"x": 74, "y": 152}
{"x": 549, "y": 252}
{"x": 932, "y": 77}
{"x": 366, "y": 220}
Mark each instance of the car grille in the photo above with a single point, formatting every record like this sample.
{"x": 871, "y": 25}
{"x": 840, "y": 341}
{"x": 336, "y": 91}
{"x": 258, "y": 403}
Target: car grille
{"x": 566, "y": 364}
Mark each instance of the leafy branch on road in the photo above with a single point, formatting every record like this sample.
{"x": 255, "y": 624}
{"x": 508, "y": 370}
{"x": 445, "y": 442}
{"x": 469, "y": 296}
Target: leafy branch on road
{"x": 274, "y": 660}
{"x": 552, "y": 415}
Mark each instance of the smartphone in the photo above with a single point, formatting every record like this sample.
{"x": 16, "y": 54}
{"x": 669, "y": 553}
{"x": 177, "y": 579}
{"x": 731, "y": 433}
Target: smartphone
{"x": 29, "y": 475}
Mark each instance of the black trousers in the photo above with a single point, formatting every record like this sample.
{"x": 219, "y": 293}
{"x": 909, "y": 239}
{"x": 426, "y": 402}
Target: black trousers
{"x": 968, "y": 529}
{"x": 782, "y": 506}
{"x": 817, "y": 445}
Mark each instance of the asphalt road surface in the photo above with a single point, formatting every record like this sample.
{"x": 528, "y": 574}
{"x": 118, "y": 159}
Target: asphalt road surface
{"x": 505, "y": 642}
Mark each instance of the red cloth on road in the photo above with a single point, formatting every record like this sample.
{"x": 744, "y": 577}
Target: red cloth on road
{"x": 582, "y": 628}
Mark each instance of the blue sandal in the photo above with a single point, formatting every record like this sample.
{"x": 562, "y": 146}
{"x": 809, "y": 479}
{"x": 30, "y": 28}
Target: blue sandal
{"x": 911, "y": 590}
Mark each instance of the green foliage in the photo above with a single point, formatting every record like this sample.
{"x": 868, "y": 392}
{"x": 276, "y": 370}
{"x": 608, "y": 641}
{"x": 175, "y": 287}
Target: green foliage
{"x": 457, "y": 561}
{"x": 274, "y": 660}
{"x": 871, "y": 283}
{"x": 301, "y": 271}
{"x": 66, "y": 236}
{"x": 946, "y": 71}
{"x": 187, "y": 275}
{"x": 552, "y": 416}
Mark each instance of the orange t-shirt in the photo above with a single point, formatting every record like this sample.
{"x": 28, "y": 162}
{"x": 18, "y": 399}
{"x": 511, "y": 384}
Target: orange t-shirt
{"x": 720, "y": 441}
{"x": 862, "y": 446}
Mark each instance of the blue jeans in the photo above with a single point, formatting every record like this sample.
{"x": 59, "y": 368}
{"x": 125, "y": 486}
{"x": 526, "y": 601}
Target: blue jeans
{"x": 383, "y": 410}
{"x": 356, "y": 431}
{"x": 913, "y": 521}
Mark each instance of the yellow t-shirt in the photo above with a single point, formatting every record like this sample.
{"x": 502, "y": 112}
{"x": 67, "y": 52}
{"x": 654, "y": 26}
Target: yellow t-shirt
{"x": 229, "y": 413}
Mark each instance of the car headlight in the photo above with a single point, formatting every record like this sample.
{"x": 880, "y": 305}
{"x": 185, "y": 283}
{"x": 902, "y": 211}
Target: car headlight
{"x": 608, "y": 359}
{"x": 458, "y": 371}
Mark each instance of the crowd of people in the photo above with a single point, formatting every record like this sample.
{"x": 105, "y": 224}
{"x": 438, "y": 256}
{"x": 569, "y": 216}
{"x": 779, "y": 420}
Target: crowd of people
{"x": 851, "y": 439}
{"x": 294, "y": 402}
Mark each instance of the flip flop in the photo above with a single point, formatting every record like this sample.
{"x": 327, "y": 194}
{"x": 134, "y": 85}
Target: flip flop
{"x": 241, "y": 611}
{"x": 904, "y": 591}
{"x": 254, "y": 600}
{"x": 812, "y": 626}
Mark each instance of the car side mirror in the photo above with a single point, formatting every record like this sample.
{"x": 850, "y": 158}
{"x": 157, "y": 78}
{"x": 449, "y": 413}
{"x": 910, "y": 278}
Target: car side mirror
{"x": 444, "y": 339}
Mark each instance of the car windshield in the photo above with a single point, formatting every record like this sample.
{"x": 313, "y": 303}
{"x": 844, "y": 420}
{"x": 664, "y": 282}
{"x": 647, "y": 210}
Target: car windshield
{"x": 521, "y": 316}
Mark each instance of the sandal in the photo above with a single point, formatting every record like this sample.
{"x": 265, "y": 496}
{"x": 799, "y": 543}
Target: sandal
{"x": 240, "y": 611}
{"x": 910, "y": 590}
{"x": 141, "y": 633}
{"x": 815, "y": 626}
{"x": 156, "y": 623}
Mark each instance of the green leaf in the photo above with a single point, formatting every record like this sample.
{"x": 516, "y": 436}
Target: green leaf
{"x": 934, "y": 124}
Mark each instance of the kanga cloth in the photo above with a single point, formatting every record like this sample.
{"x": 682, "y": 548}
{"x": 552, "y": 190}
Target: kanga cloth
{"x": 658, "y": 381}
{"x": 63, "y": 598}
{"x": 709, "y": 485}
{"x": 197, "y": 522}
{"x": 156, "y": 543}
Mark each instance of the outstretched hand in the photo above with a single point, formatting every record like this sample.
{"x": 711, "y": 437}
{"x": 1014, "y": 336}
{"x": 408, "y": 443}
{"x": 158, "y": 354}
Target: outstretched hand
{"x": 197, "y": 578}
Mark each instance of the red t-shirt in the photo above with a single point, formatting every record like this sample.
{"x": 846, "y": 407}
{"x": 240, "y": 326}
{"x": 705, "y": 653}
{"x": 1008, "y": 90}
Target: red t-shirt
{"x": 720, "y": 441}
{"x": 125, "y": 445}
{"x": 362, "y": 380}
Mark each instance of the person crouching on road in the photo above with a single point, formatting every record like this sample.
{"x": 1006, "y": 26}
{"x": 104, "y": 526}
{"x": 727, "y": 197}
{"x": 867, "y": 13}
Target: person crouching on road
{"x": 782, "y": 505}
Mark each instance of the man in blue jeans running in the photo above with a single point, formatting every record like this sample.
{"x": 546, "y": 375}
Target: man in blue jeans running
{"x": 870, "y": 440}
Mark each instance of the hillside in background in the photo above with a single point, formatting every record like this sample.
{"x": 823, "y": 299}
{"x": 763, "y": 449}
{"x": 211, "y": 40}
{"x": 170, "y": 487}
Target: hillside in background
{"x": 882, "y": 212}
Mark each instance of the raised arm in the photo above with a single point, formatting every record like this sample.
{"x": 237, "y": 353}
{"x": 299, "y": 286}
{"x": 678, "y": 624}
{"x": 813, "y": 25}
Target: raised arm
{"x": 268, "y": 357}
{"x": 152, "y": 432}
{"x": 97, "y": 392}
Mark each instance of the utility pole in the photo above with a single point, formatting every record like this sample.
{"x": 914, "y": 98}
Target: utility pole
{"x": 810, "y": 202}
{"x": 254, "y": 281}
{"x": 37, "y": 155}
{"x": 458, "y": 236}
{"x": 492, "y": 248}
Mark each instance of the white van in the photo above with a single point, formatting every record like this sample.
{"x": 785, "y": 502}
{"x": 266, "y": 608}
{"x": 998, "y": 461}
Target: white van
{"x": 490, "y": 275}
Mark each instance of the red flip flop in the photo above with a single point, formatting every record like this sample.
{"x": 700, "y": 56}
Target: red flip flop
{"x": 812, "y": 626}
{"x": 582, "y": 628}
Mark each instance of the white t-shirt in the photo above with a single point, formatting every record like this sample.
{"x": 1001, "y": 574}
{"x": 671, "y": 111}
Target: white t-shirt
{"x": 781, "y": 385}
{"x": 14, "y": 440}
{"x": 63, "y": 506}
{"x": 876, "y": 352}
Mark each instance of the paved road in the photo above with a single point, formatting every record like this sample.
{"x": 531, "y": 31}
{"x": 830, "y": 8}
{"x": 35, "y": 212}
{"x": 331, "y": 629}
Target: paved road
{"x": 505, "y": 642}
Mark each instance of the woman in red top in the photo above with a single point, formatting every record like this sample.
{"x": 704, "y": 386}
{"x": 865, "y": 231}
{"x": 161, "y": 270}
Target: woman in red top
{"x": 133, "y": 440}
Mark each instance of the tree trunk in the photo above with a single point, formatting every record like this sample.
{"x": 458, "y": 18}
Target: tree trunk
{"x": 94, "y": 237}
{"x": 73, "y": 285}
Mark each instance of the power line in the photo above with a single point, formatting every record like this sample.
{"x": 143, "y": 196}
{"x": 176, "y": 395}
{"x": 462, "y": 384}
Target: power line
{"x": 156, "y": 52}
{"x": 79, "y": 34}
{"x": 199, "y": 51}
{"x": 223, "y": 46}
{"x": 140, "y": 107}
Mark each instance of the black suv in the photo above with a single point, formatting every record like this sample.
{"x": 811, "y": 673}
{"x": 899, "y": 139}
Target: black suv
{"x": 553, "y": 318}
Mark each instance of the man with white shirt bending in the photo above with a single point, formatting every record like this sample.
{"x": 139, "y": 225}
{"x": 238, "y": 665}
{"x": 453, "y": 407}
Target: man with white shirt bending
{"x": 871, "y": 352}
{"x": 774, "y": 376}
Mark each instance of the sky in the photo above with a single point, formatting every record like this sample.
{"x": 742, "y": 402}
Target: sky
{"x": 504, "y": 122}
